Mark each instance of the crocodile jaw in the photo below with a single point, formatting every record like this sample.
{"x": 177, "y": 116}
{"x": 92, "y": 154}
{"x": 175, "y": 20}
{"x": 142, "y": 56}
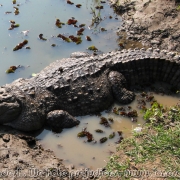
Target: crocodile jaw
{"x": 9, "y": 107}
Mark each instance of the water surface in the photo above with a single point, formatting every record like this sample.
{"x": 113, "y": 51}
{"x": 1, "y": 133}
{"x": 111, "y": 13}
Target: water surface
{"x": 40, "y": 17}
{"x": 77, "y": 151}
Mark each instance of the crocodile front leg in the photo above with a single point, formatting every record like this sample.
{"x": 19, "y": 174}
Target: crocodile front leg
{"x": 118, "y": 84}
{"x": 59, "y": 119}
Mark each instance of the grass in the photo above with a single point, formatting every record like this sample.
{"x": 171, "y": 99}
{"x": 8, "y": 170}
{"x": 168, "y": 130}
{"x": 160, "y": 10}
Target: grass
{"x": 178, "y": 8}
{"x": 155, "y": 149}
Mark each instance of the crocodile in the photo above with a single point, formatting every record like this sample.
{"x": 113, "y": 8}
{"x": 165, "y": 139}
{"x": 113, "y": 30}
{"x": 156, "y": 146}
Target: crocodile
{"x": 83, "y": 84}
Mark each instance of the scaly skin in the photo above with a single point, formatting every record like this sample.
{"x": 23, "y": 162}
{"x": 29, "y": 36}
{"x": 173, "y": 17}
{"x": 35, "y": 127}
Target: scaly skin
{"x": 83, "y": 85}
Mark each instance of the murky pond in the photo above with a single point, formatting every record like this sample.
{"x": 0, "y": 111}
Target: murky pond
{"x": 39, "y": 18}
{"x": 79, "y": 152}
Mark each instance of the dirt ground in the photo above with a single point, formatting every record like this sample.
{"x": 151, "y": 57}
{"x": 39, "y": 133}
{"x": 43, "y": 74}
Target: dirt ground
{"x": 154, "y": 23}
{"x": 22, "y": 157}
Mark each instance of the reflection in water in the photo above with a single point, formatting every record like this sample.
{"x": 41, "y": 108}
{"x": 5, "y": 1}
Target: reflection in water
{"x": 76, "y": 151}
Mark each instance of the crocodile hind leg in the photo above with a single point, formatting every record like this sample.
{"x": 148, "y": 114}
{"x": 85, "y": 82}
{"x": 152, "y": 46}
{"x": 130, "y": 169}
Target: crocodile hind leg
{"x": 118, "y": 84}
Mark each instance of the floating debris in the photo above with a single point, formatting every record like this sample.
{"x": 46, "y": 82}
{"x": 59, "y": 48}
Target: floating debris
{"x": 59, "y": 23}
{"x": 115, "y": 111}
{"x": 77, "y": 40}
{"x": 119, "y": 133}
{"x": 69, "y": 2}
{"x": 71, "y": 21}
{"x": 99, "y": 7}
{"x": 8, "y": 12}
{"x": 121, "y": 109}
{"x": 104, "y": 139}
{"x": 12, "y": 21}
{"x": 53, "y": 45}
{"x": 78, "y": 5}
{"x": 132, "y": 113}
{"x": 92, "y": 48}
{"x": 103, "y": 29}
{"x": 84, "y": 133}
{"x": 104, "y": 122}
{"x": 88, "y": 38}
{"x": 120, "y": 140}
{"x": 127, "y": 112}
{"x": 141, "y": 102}
{"x": 13, "y": 25}
{"x": 89, "y": 136}
{"x": 26, "y": 32}
{"x": 103, "y": 1}
{"x": 64, "y": 38}
{"x": 123, "y": 113}
{"x": 82, "y": 25}
{"x": 27, "y": 47}
{"x": 110, "y": 17}
{"x": 11, "y": 69}
{"x": 143, "y": 94}
{"x": 20, "y": 45}
{"x": 111, "y": 120}
{"x": 16, "y": 12}
{"x": 120, "y": 137}
{"x": 80, "y": 31}
{"x": 41, "y": 37}
{"x": 149, "y": 98}
{"x": 112, "y": 135}
{"x": 99, "y": 131}
{"x": 14, "y": 1}
{"x": 81, "y": 134}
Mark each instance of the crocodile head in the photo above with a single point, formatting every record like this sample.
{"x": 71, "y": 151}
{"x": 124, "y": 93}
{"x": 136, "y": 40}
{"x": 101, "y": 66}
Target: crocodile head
{"x": 9, "y": 107}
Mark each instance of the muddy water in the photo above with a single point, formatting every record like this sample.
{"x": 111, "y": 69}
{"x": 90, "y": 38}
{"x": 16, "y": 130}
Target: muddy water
{"x": 80, "y": 153}
{"x": 40, "y": 17}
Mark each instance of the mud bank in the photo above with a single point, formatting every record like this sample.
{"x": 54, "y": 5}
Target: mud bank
{"x": 155, "y": 23}
{"x": 22, "y": 157}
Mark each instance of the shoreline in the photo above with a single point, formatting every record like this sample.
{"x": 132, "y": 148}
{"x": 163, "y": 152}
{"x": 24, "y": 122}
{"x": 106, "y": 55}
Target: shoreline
{"x": 154, "y": 23}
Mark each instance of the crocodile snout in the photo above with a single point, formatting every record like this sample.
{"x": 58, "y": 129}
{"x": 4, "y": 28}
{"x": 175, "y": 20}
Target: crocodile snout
{"x": 9, "y": 107}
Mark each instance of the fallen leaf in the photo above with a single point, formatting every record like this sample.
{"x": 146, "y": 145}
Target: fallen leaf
{"x": 78, "y": 5}
{"x": 77, "y": 40}
{"x": 88, "y": 38}
{"x": 92, "y": 48}
{"x": 69, "y": 2}
{"x": 64, "y": 38}
{"x": 71, "y": 21}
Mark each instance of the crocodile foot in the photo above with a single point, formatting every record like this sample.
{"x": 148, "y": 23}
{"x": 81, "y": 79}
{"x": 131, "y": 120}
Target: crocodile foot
{"x": 118, "y": 84}
{"x": 59, "y": 119}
